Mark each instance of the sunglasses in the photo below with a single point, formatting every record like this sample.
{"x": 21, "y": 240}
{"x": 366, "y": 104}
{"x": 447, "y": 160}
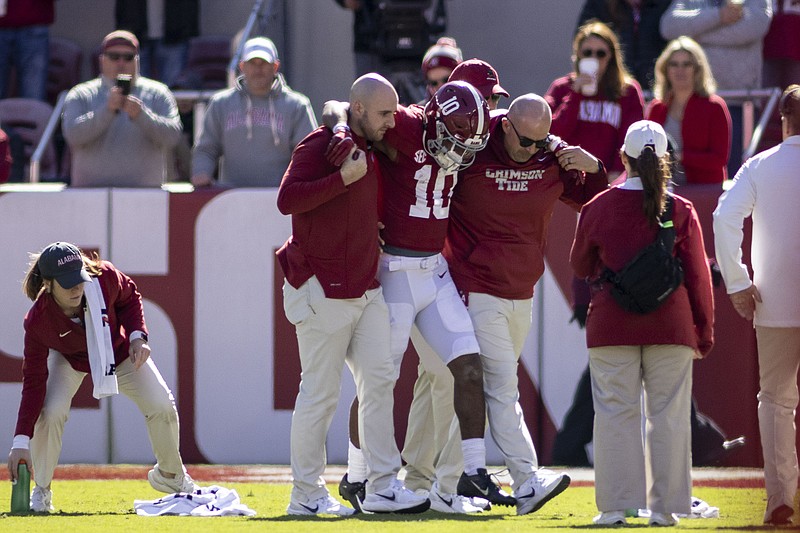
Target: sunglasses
{"x": 495, "y": 97}
{"x": 116, "y": 56}
{"x": 680, "y": 64}
{"x": 437, "y": 83}
{"x": 590, "y": 52}
{"x": 526, "y": 142}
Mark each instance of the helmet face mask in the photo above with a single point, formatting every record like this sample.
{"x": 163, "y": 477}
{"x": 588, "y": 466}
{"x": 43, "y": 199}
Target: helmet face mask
{"x": 457, "y": 126}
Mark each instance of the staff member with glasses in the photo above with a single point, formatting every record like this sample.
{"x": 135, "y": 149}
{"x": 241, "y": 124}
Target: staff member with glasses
{"x": 594, "y": 105}
{"x": 120, "y": 126}
{"x": 496, "y": 257}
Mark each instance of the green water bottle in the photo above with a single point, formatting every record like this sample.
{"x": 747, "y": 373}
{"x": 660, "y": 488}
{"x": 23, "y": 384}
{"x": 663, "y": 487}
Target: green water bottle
{"x": 21, "y": 490}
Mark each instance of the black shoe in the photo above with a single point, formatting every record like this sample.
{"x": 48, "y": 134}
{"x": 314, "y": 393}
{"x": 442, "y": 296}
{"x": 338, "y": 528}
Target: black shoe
{"x": 353, "y": 492}
{"x": 481, "y": 485}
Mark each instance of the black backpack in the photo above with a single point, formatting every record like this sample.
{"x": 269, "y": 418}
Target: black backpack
{"x": 649, "y": 278}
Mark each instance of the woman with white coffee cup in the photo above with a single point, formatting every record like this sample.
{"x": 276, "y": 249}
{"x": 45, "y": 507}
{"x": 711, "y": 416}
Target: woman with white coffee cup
{"x": 594, "y": 105}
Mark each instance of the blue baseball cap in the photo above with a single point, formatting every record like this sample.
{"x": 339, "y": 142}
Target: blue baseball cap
{"x": 63, "y": 262}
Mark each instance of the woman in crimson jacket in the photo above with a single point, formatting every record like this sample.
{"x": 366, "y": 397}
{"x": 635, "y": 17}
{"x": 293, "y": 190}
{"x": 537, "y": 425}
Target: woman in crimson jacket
{"x": 630, "y": 353}
{"x": 696, "y": 119}
{"x": 56, "y": 361}
{"x": 596, "y": 120}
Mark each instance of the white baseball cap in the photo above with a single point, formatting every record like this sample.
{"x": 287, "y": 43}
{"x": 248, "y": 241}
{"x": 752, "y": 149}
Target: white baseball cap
{"x": 645, "y": 133}
{"x": 260, "y": 47}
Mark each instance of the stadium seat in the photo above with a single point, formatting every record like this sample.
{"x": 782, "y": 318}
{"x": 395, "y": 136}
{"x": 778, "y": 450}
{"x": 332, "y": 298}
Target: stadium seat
{"x": 64, "y": 68}
{"x": 28, "y": 118}
{"x": 207, "y": 62}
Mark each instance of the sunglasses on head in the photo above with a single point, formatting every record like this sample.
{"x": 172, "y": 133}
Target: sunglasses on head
{"x": 116, "y": 56}
{"x": 589, "y": 52}
{"x": 526, "y": 142}
{"x": 437, "y": 83}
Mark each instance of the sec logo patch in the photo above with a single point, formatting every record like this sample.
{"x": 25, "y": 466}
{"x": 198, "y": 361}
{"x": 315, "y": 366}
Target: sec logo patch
{"x": 419, "y": 157}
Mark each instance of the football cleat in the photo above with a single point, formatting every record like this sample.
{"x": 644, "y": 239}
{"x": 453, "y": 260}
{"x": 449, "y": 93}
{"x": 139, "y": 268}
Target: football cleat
{"x": 481, "y": 485}
{"x": 353, "y": 492}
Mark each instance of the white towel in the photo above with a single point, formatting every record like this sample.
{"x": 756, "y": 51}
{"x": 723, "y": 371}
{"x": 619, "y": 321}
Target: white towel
{"x": 205, "y": 501}
{"x": 98, "y": 342}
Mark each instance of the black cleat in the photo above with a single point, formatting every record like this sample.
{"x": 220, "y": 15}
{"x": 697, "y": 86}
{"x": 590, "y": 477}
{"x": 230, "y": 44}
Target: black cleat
{"x": 353, "y": 492}
{"x": 481, "y": 486}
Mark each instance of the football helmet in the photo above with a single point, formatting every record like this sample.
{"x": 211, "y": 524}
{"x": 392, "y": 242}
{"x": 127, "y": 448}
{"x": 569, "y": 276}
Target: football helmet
{"x": 456, "y": 125}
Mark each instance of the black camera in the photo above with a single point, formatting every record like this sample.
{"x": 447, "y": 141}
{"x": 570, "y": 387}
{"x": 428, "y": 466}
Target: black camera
{"x": 402, "y": 29}
{"x": 124, "y": 83}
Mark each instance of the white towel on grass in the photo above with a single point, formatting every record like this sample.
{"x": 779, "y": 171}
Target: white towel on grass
{"x": 205, "y": 501}
{"x": 98, "y": 342}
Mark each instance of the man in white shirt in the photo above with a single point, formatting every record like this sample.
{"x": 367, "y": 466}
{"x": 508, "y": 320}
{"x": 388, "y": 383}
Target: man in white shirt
{"x": 766, "y": 187}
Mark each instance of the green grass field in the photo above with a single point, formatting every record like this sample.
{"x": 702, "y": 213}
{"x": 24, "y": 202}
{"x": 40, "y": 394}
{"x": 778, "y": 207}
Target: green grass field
{"x": 107, "y": 505}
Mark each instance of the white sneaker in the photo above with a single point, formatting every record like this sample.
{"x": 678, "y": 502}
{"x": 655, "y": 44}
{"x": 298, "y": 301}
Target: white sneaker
{"x": 451, "y": 503}
{"x": 610, "y": 518}
{"x": 182, "y": 482}
{"x": 540, "y": 488}
{"x": 325, "y": 505}
{"x": 662, "y": 519}
{"x": 481, "y": 503}
{"x": 41, "y": 500}
{"x": 395, "y": 499}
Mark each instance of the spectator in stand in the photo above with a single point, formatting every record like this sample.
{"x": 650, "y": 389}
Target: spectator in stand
{"x": 781, "y": 45}
{"x": 24, "y": 44}
{"x": 636, "y": 24}
{"x": 163, "y": 29}
{"x": 731, "y": 33}
{"x": 629, "y": 353}
{"x": 5, "y": 157}
{"x": 119, "y": 139}
{"x": 594, "y": 110}
{"x": 437, "y": 64}
{"x": 255, "y": 124}
{"x": 695, "y": 118}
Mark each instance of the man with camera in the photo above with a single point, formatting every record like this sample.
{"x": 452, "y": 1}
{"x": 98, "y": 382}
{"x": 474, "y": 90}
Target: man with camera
{"x": 121, "y": 125}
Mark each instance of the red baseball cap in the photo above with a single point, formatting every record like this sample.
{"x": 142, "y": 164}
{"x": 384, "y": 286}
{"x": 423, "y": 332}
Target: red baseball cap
{"x": 480, "y": 75}
{"x": 120, "y": 38}
{"x": 445, "y": 53}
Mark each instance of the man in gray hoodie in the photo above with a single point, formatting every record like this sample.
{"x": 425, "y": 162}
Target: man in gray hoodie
{"x": 255, "y": 124}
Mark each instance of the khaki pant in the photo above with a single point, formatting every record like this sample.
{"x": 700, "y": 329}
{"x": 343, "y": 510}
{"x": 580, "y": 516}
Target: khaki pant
{"x": 778, "y": 364}
{"x": 632, "y": 472}
{"x": 145, "y": 387}
{"x": 432, "y": 449}
{"x": 330, "y": 333}
{"x": 501, "y": 327}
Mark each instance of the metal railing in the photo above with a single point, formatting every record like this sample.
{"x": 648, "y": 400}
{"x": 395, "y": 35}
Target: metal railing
{"x": 260, "y": 13}
{"x": 752, "y": 135}
{"x": 36, "y": 158}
